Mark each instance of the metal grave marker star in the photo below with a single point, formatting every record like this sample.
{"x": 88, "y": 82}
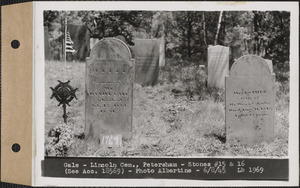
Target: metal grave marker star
{"x": 64, "y": 94}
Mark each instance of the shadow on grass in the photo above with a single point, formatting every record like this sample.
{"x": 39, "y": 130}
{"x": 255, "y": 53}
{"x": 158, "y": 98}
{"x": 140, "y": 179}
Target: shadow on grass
{"x": 220, "y": 137}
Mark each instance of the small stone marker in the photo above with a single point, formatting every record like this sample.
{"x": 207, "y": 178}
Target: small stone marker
{"x": 270, "y": 63}
{"x": 109, "y": 89}
{"x": 162, "y": 60}
{"x": 93, "y": 41}
{"x": 147, "y": 61}
{"x": 218, "y": 66}
{"x": 250, "y": 101}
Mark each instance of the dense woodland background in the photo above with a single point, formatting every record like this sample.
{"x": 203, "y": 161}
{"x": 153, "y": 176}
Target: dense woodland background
{"x": 187, "y": 34}
{"x": 180, "y": 116}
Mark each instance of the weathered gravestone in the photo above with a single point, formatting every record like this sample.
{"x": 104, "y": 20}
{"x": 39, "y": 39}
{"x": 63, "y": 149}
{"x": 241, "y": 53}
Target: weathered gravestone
{"x": 270, "y": 63}
{"x": 162, "y": 59}
{"x": 146, "y": 53}
{"x": 109, "y": 89}
{"x": 250, "y": 101}
{"x": 93, "y": 41}
{"x": 218, "y": 66}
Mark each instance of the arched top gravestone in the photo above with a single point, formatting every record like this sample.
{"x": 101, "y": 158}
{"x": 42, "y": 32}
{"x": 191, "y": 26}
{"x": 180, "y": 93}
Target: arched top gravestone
{"x": 250, "y": 101}
{"x": 111, "y": 49}
{"x": 250, "y": 65}
{"x": 109, "y": 90}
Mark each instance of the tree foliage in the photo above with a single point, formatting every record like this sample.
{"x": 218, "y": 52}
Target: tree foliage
{"x": 273, "y": 30}
{"x": 187, "y": 34}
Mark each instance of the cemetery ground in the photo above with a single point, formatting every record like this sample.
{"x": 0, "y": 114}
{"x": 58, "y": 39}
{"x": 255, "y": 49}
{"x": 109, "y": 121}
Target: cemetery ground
{"x": 177, "y": 117}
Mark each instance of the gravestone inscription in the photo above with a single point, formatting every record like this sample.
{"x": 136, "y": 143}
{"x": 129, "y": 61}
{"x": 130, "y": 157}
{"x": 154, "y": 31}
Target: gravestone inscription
{"x": 218, "y": 66}
{"x": 109, "y": 89}
{"x": 250, "y": 101}
{"x": 147, "y": 59}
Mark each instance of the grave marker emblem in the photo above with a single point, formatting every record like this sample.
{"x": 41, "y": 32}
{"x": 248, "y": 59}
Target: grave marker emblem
{"x": 64, "y": 94}
{"x": 218, "y": 66}
{"x": 109, "y": 89}
{"x": 250, "y": 101}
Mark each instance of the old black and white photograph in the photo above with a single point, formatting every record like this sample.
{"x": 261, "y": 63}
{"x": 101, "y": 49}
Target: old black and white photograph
{"x": 166, "y": 83}
{"x": 150, "y": 93}
{"x": 166, "y": 93}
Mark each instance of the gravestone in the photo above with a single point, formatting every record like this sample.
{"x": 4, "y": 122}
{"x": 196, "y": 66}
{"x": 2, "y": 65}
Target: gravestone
{"x": 162, "y": 61}
{"x": 93, "y": 41}
{"x": 218, "y": 66}
{"x": 250, "y": 101}
{"x": 109, "y": 90}
{"x": 270, "y": 63}
{"x": 146, "y": 53}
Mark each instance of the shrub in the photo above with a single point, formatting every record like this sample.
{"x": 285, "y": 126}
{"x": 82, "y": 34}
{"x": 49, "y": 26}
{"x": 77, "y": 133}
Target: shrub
{"x": 59, "y": 140}
{"x": 190, "y": 80}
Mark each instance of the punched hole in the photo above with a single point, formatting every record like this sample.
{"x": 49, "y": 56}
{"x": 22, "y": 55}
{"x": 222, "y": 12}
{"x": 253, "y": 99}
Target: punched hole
{"x": 16, "y": 147}
{"x": 15, "y": 44}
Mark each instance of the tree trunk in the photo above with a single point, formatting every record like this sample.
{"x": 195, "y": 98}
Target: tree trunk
{"x": 189, "y": 35}
{"x": 223, "y": 30}
{"x": 62, "y": 21}
{"x": 103, "y": 29}
{"x": 218, "y": 29}
{"x": 256, "y": 28}
{"x": 204, "y": 29}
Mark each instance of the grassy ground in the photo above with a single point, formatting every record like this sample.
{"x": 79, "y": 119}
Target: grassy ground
{"x": 187, "y": 123}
